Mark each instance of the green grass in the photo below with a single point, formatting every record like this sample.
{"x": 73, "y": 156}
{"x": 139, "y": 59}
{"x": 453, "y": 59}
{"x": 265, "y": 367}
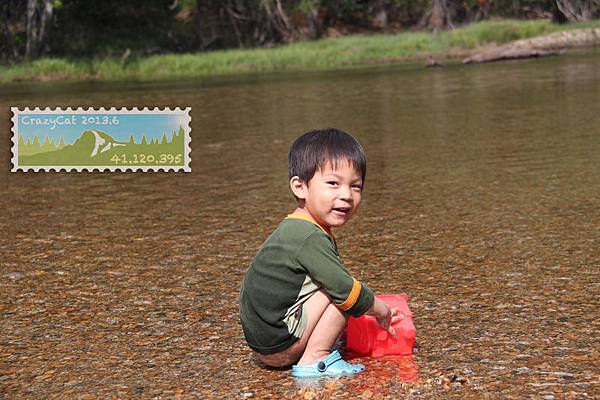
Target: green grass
{"x": 331, "y": 53}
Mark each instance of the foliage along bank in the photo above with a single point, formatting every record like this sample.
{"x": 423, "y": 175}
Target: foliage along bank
{"x": 128, "y": 29}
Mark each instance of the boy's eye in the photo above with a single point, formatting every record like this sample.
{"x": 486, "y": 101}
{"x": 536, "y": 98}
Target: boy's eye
{"x": 332, "y": 183}
{"x": 359, "y": 187}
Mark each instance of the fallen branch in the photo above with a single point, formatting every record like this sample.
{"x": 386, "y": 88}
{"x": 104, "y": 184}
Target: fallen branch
{"x": 499, "y": 53}
{"x": 540, "y": 46}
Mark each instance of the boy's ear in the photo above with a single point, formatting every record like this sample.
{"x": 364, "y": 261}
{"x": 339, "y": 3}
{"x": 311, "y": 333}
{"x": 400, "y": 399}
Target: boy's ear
{"x": 298, "y": 187}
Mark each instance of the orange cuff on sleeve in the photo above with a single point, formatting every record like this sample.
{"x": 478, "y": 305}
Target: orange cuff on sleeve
{"x": 352, "y": 297}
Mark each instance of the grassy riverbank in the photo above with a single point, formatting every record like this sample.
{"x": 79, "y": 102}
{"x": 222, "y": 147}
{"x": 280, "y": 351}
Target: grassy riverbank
{"x": 325, "y": 54}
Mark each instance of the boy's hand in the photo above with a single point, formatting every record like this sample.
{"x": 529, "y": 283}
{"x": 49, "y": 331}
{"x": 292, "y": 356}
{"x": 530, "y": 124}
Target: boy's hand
{"x": 385, "y": 316}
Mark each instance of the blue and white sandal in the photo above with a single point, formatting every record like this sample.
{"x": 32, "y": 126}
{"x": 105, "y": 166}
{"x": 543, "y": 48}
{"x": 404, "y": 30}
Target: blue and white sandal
{"x": 333, "y": 365}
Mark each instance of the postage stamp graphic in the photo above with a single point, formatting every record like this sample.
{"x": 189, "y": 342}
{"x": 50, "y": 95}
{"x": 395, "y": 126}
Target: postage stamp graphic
{"x": 103, "y": 139}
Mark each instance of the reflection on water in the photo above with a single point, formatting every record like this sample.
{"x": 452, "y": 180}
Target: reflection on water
{"x": 481, "y": 203}
{"x": 386, "y": 376}
{"x": 401, "y": 368}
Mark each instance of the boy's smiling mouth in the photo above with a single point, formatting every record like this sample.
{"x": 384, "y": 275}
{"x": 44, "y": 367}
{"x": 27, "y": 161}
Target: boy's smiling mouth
{"x": 342, "y": 210}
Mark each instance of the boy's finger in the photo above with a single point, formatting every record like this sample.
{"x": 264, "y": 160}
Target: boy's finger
{"x": 392, "y": 332}
{"x": 398, "y": 318}
{"x": 395, "y": 311}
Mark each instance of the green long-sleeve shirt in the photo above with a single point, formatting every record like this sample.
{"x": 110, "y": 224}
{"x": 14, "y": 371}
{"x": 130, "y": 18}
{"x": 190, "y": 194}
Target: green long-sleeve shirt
{"x": 296, "y": 260}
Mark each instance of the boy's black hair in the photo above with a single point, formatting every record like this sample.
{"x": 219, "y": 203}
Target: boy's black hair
{"x": 312, "y": 150}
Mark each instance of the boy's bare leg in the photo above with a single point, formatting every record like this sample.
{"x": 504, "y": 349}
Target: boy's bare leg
{"x": 324, "y": 335}
{"x": 325, "y": 323}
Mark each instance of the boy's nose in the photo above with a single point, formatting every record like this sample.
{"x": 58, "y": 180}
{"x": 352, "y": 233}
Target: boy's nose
{"x": 345, "y": 193}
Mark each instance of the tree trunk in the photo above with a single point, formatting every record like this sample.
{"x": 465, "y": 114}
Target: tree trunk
{"x": 378, "y": 10}
{"x": 275, "y": 21}
{"x": 31, "y": 27}
{"x": 483, "y": 9}
{"x": 39, "y": 18}
{"x": 575, "y": 10}
{"x": 199, "y": 21}
{"x": 8, "y": 17}
{"x": 211, "y": 25}
{"x": 234, "y": 17}
{"x": 314, "y": 23}
{"x": 438, "y": 16}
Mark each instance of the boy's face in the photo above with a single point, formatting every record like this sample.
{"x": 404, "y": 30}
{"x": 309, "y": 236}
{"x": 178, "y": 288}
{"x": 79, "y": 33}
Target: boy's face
{"x": 332, "y": 196}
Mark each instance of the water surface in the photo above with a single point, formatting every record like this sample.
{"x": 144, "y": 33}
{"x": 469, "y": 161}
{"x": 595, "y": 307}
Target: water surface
{"x": 481, "y": 203}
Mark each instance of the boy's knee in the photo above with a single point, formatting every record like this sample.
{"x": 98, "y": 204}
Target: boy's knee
{"x": 318, "y": 301}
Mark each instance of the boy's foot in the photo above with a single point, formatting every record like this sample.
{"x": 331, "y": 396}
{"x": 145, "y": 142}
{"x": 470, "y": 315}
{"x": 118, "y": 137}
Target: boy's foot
{"x": 333, "y": 365}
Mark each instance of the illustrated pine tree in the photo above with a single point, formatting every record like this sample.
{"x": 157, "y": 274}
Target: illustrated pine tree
{"x": 36, "y": 146}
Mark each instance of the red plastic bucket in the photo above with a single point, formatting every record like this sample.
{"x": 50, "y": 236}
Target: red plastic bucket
{"x": 364, "y": 337}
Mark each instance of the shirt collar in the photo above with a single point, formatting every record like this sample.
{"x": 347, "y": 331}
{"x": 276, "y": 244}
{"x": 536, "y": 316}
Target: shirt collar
{"x": 309, "y": 219}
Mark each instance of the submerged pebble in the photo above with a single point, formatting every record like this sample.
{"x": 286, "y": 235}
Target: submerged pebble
{"x": 481, "y": 204}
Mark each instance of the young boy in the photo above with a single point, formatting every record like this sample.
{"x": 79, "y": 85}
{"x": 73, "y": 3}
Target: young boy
{"x": 297, "y": 295}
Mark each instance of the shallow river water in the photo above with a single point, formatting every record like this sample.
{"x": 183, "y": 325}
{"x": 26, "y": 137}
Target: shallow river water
{"x": 482, "y": 202}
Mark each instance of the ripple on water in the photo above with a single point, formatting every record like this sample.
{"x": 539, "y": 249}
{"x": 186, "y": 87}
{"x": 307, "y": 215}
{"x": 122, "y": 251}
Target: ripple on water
{"x": 481, "y": 203}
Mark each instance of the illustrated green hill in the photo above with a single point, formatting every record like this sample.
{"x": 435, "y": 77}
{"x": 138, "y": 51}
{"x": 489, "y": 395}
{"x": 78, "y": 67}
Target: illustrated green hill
{"x": 97, "y": 148}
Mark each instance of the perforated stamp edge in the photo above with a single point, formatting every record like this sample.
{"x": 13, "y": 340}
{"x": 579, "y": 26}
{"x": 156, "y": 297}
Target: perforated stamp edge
{"x": 86, "y": 168}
